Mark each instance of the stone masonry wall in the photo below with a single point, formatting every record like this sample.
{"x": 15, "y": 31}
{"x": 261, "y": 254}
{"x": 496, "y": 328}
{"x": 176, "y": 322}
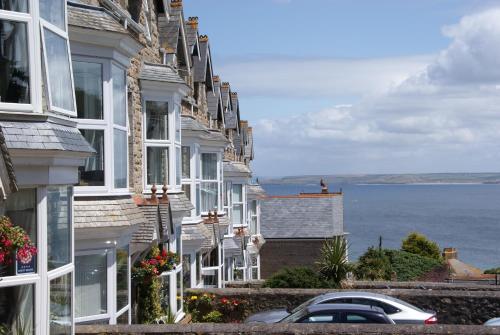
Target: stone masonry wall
{"x": 150, "y": 53}
{"x": 323, "y": 329}
{"x": 277, "y": 254}
{"x": 452, "y": 307}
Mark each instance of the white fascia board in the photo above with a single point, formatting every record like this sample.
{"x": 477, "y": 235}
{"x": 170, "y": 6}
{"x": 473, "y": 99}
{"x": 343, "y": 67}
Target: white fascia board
{"x": 161, "y": 87}
{"x": 121, "y": 47}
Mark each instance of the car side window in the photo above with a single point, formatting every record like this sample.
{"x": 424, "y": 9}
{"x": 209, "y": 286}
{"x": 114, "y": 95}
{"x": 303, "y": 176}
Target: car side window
{"x": 338, "y": 301}
{"x": 321, "y": 318}
{"x": 355, "y": 317}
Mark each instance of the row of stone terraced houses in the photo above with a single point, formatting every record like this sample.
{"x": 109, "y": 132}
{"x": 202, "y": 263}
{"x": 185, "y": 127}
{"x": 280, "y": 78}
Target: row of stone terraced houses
{"x": 116, "y": 135}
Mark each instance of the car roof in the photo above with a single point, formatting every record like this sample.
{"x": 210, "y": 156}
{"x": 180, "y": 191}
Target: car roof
{"x": 344, "y": 307}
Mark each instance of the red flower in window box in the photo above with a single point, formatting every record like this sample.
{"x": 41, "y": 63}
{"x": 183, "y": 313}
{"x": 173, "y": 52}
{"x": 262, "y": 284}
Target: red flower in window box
{"x": 14, "y": 241}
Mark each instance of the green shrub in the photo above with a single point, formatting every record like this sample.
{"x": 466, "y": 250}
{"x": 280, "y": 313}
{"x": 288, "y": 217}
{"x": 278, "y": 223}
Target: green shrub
{"x": 492, "y": 271}
{"x": 296, "y": 277}
{"x": 213, "y": 316}
{"x": 418, "y": 244}
{"x": 373, "y": 265}
{"x": 408, "y": 266}
{"x": 333, "y": 265}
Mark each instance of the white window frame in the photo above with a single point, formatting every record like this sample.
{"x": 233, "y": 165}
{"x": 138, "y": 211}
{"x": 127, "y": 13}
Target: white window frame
{"x": 107, "y": 125}
{"x": 217, "y": 181}
{"x": 242, "y": 203}
{"x": 63, "y": 34}
{"x": 33, "y": 46}
{"x": 169, "y": 143}
{"x": 127, "y": 309}
{"x": 218, "y": 268}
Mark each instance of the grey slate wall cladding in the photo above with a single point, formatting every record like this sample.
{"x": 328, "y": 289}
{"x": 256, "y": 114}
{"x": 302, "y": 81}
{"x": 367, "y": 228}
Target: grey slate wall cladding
{"x": 91, "y": 17}
{"x": 163, "y": 73}
{"x": 300, "y": 217}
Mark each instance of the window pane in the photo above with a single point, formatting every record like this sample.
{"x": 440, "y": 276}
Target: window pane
{"x": 198, "y": 267}
{"x": 156, "y": 120}
{"x": 187, "y": 190}
{"x": 177, "y": 123}
{"x": 60, "y": 306}
{"x": 178, "y": 168}
{"x": 122, "y": 274}
{"x": 20, "y": 208}
{"x": 186, "y": 270}
{"x": 17, "y": 309}
{"x": 88, "y": 90}
{"x": 237, "y": 218}
{"x": 53, "y": 12}
{"x": 14, "y": 62}
{"x": 253, "y": 225}
{"x": 14, "y": 5}
{"x": 157, "y": 159}
{"x": 237, "y": 193}
{"x": 198, "y": 205}
{"x": 255, "y": 273}
{"x": 186, "y": 162}
{"x": 209, "y": 194}
{"x": 119, "y": 96}
{"x": 209, "y": 166}
{"x": 165, "y": 293}
{"x": 179, "y": 291}
{"x": 122, "y": 319}
{"x": 58, "y": 69}
{"x": 59, "y": 226}
{"x": 92, "y": 173}
{"x": 91, "y": 285}
{"x": 121, "y": 158}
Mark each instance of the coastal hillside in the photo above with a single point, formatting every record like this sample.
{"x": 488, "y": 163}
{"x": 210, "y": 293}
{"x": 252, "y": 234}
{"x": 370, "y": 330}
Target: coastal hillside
{"x": 425, "y": 178}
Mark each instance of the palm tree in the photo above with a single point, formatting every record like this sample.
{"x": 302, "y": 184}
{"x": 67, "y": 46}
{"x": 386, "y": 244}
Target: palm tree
{"x": 333, "y": 264}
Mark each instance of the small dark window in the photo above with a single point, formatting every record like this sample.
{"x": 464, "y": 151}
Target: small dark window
{"x": 358, "y": 317}
{"x": 321, "y": 318}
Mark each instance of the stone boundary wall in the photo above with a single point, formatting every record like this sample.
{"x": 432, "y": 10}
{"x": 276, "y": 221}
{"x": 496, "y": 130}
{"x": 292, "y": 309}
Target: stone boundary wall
{"x": 459, "y": 307}
{"x": 233, "y": 329}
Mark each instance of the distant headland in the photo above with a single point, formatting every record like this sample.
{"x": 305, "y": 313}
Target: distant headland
{"x": 417, "y": 178}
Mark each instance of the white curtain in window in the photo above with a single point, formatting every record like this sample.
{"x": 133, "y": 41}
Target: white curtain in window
{"x": 209, "y": 194}
{"x": 157, "y": 158}
{"x": 14, "y": 5}
{"x": 90, "y": 285}
{"x": 237, "y": 193}
{"x": 53, "y": 12}
{"x": 119, "y": 96}
{"x": 120, "y": 159}
{"x": 237, "y": 215}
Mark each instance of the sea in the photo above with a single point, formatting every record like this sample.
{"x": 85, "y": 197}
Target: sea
{"x": 463, "y": 216}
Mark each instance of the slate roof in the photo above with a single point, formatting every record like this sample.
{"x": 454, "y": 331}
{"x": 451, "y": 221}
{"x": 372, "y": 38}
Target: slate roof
{"x": 168, "y": 30}
{"x": 191, "y": 31}
{"x": 212, "y": 234}
{"x": 237, "y": 143}
{"x": 106, "y": 212}
{"x": 179, "y": 202}
{"x": 223, "y": 225}
{"x": 200, "y": 65}
{"x": 308, "y": 216}
{"x": 189, "y": 123}
{"x": 92, "y": 17}
{"x": 236, "y": 167}
{"x": 232, "y": 246}
{"x": 230, "y": 116}
{"x": 160, "y": 72}
{"x": 214, "y": 101}
{"x": 147, "y": 231}
{"x": 255, "y": 191}
{"x": 43, "y": 136}
{"x": 192, "y": 232}
{"x": 249, "y": 145}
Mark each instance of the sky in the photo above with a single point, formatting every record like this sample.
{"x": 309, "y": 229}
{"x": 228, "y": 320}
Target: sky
{"x": 361, "y": 86}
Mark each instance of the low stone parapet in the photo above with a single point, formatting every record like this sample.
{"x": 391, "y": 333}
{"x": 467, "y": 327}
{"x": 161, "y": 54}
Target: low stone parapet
{"x": 318, "y": 329}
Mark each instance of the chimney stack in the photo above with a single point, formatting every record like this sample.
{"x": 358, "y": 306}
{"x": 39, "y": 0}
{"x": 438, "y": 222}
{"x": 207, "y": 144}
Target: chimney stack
{"x": 193, "y": 22}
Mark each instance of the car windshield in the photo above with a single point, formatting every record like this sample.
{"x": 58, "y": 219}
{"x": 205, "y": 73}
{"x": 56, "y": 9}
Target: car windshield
{"x": 304, "y": 305}
{"x": 294, "y": 317}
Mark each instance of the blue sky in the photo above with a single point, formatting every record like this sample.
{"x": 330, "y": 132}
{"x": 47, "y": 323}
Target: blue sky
{"x": 361, "y": 86}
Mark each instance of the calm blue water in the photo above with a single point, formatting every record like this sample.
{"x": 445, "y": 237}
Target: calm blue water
{"x": 466, "y": 217}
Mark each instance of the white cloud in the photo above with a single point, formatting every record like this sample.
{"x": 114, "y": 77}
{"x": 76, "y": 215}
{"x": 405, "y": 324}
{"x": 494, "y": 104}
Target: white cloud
{"x": 443, "y": 117}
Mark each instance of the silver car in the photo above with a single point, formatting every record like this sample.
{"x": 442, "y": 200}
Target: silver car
{"x": 495, "y": 322}
{"x": 399, "y": 311}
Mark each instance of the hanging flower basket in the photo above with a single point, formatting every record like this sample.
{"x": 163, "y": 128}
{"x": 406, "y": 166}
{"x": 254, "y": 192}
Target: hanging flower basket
{"x": 15, "y": 244}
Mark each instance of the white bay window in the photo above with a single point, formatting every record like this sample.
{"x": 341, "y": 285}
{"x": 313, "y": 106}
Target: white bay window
{"x": 238, "y": 205}
{"x": 209, "y": 182}
{"x": 100, "y": 90}
{"x": 163, "y": 151}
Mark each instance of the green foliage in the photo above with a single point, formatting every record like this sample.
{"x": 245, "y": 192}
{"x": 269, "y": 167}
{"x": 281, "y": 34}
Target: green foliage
{"x": 418, "y": 244}
{"x": 373, "y": 265}
{"x": 492, "y": 271}
{"x": 210, "y": 308}
{"x": 409, "y": 266}
{"x": 213, "y": 316}
{"x": 297, "y": 277}
{"x": 149, "y": 301}
{"x": 333, "y": 265}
